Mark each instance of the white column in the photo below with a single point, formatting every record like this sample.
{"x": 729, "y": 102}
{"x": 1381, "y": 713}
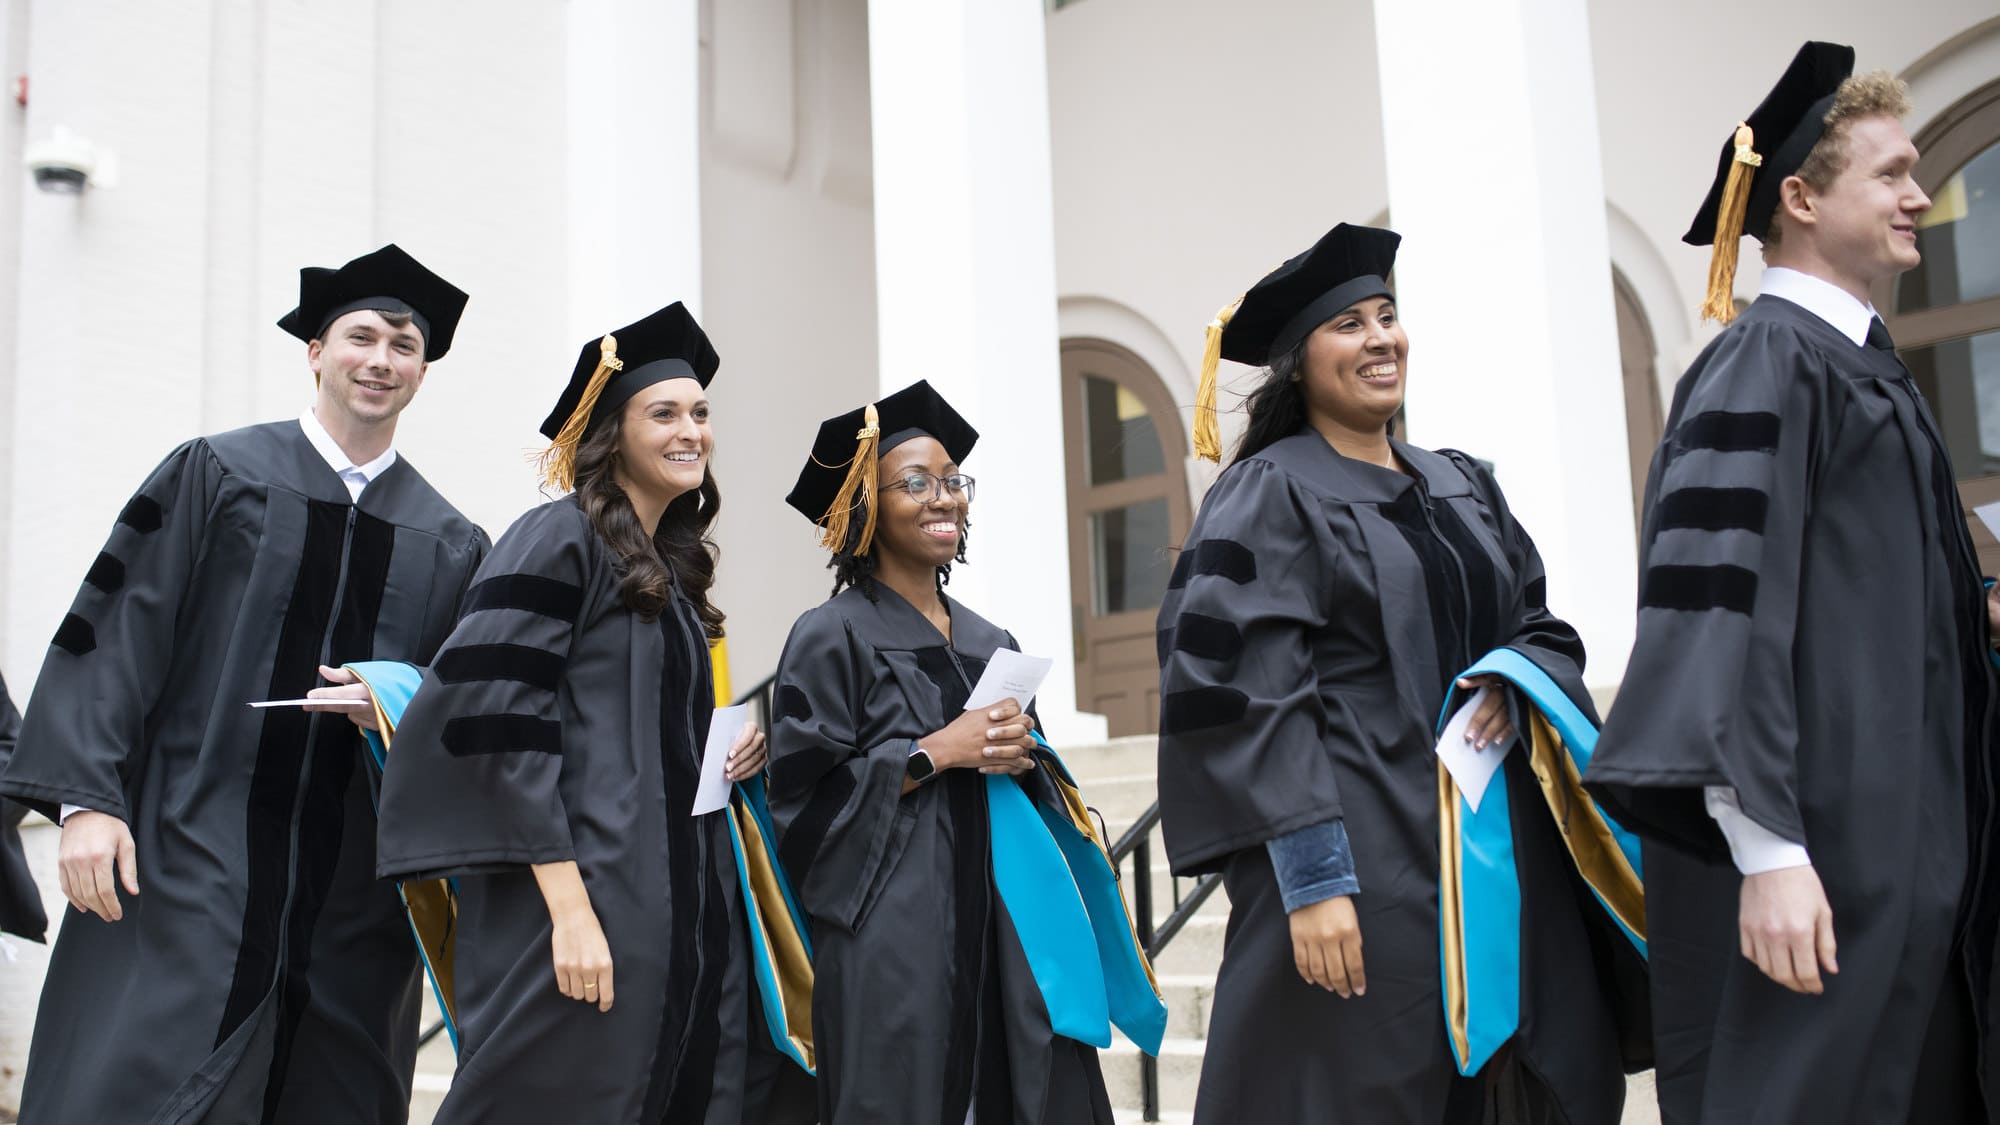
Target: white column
{"x": 1504, "y": 280}
{"x": 634, "y": 160}
{"x": 966, "y": 296}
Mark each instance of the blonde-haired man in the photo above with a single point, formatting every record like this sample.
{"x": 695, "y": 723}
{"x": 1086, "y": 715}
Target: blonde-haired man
{"x": 1803, "y": 734}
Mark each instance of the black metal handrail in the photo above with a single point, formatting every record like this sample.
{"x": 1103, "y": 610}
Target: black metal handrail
{"x": 759, "y": 698}
{"x": 1137, "y": 844}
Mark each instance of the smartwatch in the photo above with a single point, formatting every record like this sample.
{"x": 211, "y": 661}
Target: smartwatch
{"x": 920, "y": 767}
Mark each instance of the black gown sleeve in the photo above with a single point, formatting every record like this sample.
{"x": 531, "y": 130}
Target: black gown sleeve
{"x": 111, "y": 656}
{"x": 20, "y": 903}
{"x": 473, "y": 771}
{"x": 834, "y": 798}
{"x": 1708, "y": 696}
{"x": 1243, "y": 731}
{"x": 1537, "y": 633}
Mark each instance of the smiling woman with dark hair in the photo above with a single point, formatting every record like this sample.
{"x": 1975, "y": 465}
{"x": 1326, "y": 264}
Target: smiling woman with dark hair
{"x": 934, "y": 997}
{"x": 1338, "y": 590}
{"x": 548, "y": 765}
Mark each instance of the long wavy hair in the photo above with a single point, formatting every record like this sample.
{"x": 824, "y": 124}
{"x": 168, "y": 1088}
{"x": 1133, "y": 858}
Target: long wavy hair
{"x": 680, "y": 546}
{"x": 1277, "y": 407}
{"x": 850, "y": 569}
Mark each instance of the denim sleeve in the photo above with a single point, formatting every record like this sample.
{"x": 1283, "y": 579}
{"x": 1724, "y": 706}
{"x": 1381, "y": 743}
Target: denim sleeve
{"x": 1313, "y": 864}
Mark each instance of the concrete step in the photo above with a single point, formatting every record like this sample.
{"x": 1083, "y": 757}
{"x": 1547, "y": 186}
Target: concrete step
{"x": 1196, "y": 950}
{"x": 1180, "y": 1073}
{"x": 1138, "y": 754}
{"x": 1121, "y": 798}
{"x": 1190, "y": 997}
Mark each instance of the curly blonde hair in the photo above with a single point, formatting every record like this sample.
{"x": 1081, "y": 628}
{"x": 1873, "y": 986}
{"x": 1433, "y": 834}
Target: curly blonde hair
{"x": 1874, "y": 94}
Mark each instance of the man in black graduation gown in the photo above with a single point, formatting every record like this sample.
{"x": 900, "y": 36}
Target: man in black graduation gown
{"x": 232, "y": 959}
{"x": 21, "y": 910}
{"x": 1804, "y": 728}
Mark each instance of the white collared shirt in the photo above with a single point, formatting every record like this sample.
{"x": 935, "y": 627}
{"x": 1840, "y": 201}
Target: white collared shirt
{"x": 355, "y": 477}
{"x": 1823, "y": 299}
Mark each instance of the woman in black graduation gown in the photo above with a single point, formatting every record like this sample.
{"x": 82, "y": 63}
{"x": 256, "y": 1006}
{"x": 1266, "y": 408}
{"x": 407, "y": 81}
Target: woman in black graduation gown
{"x": 549, "y": 763}
{"x": 924, "y": 1008}
{"x": 1333, "y": 585}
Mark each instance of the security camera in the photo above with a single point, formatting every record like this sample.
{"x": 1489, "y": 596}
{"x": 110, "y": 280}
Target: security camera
{"x": 63, "y": 164}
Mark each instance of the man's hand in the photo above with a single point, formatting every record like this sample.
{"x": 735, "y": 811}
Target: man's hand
{"x": 347, "y": 685}
{"x": 1786, "y": 927}
{"x": 94, "y": 853}
{"x": 1326, "y": 946}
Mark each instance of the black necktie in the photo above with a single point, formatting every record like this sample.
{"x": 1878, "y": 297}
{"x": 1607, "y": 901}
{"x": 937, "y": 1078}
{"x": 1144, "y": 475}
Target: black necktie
{"x": 1878, "y": 335}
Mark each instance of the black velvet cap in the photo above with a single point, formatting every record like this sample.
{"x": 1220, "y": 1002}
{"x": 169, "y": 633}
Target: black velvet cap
{"x": 1785, "y": 127}
{"x": 915, "y": 411}
{"x": 667, "y": 344}
{"x": 1349, "y": 264}
{"x": 388, "y": 280}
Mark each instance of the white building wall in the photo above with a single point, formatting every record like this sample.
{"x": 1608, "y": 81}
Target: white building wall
{"x": 789, "y": 250}
{"x": 252, "y": 139}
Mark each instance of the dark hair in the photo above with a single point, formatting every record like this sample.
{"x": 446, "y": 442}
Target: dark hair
{"x": 858, "y": 571}
{"x": 1277, "y": 408}
{"x": 680, "y": 546}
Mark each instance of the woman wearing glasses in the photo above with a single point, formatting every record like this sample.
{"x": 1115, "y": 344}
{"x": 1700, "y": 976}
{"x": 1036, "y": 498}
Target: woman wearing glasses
{"x": 924, "y": 1005}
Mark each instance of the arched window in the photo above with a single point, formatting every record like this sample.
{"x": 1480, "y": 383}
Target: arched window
{"x": 1644, "y": 420}
{"x": 1128, "y": 506}
{"x": 1945, "y": 314}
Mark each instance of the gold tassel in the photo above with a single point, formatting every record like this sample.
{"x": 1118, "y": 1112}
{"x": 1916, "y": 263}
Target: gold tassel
{"x": 558, "y": 462}
{"x": 1207, "y": 428}
{"x": 860, "y": 480}
{"x": 1720, "y": 304}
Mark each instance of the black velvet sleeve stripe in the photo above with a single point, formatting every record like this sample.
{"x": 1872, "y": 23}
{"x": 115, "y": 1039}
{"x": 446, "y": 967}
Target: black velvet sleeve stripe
{"x": 1714, "y": 509}
{"x": 1729, "y": 432}
{"x": 75, "y": 636}
{"x": 525, "y": 664}
{"x": 789, "y": 703}
{"x": 1210, "y": 638}
{"x": 107, "y": 574}
{"x": 1201, "y": 708}
{"x": 143, "y": 514}
{"x": 798, "y": 849}
{"x": 1223, "y": 558}
{"x": 532, "y": 592}
{"x": 1699, "y": 588}
{"x": 470, "y": 735}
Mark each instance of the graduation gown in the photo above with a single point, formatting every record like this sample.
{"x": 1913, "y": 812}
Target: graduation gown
{"x": 1811, "y": 632}
{"x": 21, "y": 911}
{"x": 556, "y": 725}
{"x": 1311, "y": 629}
{"x": 923, "y": 1000}
{"x": 261, "y": 974}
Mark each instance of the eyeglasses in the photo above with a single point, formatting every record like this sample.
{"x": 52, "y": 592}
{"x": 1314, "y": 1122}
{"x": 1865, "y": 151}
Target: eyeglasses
{"x": 925, "y": 488}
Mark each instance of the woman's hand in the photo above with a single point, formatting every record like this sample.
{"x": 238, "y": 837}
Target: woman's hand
{"x": 347, "y": 685}
{"x": 582, "y": 957}
{"x": 748, "y": 755}
{"x": 1491, "y": 725}
{"x": 1326, "y": 946}
{"x": 996, "y": 739}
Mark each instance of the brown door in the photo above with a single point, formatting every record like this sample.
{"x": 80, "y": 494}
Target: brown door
{"x": 1945, "y": 314}
{"x": 1643, "y": 419}
{"x": 1123, "y": 447}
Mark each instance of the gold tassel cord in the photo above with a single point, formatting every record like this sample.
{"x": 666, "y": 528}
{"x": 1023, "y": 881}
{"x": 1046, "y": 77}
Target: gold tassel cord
{"x": 558, "y": 462}
{"x": 1720, "y": 303}
{"x": 859, "y": 487}
{"x": 1207, "y": 427}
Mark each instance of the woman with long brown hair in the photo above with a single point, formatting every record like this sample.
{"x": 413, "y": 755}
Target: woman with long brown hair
{"x": 549, "y": 762}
